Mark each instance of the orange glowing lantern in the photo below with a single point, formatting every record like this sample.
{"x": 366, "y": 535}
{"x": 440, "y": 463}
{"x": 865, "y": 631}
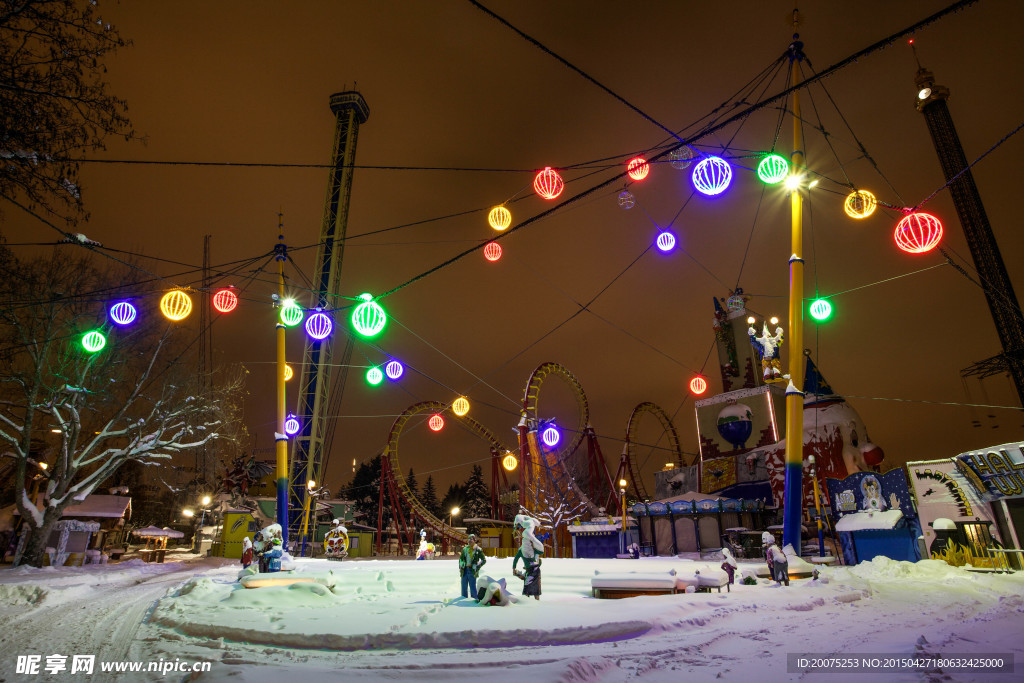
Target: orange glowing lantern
{"x": 288, "y": 373}
{"x": 638, "y": 168}
{"x": 860, "y": 204}
{"x": 499, "y": 218}
{"x": 176, "y": 305}
{"x": 461, "y": 406}
{"x": 698, "y": 385}
{"x": 509, "y": 462}
{"x": 548, "y": 184}
{"x": 436, "y": 423}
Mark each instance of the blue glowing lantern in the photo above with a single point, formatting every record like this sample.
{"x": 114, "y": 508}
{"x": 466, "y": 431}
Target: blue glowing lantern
{"x": 394, "y": 370}
{"x": 666, "y": 241}
{"x": 319, "y": 325}
{"x": 550, "y": 436}
{"x": 123, "y": 313}
{"x": 712, "y": 176}
{"x": 291, "y": 425}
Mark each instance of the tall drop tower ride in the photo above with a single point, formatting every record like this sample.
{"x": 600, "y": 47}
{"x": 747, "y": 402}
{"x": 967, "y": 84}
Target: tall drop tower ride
{"x": 995, "y": 281}
{"x": 308, "y": 454}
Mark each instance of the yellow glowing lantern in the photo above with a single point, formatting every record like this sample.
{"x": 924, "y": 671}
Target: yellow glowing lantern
{"x": 499, "y": 218}
{"x": 461, "y": 406}
{"x": 176, "y": 305}
{"x": 287, "y": 373}
{"x": 509, "y": 462}
{"x": 860, "y": 204}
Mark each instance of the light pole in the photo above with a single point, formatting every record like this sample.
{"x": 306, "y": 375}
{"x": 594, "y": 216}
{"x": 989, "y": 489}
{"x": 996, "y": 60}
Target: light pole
{"x": 310, "y": 485}
{"x": 817, "y": 504}
{"x": 451, "y": 513}
{"x": 622, "y": 526}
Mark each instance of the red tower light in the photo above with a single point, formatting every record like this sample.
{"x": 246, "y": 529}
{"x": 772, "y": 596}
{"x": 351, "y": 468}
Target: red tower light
{"x": 698, "y": 385}
{"x": 548, "y": 184}
{"x": 225, "y": 300}
{"x": 638, "y": 168}
{"x": 492, "y": 251}
{"x": 918, "y": 233}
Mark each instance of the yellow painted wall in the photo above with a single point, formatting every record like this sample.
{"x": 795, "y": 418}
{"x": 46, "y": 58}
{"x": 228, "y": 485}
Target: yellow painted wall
{"x": 237, "y": 525}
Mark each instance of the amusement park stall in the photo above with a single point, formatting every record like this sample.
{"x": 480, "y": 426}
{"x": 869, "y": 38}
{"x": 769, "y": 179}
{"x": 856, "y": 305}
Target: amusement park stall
{"x": 875, "y": 516}
{"x": 692, "y": 522}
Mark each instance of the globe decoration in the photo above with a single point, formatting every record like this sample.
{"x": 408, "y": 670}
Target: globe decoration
{"x": 666, "y": 241}
{"x": 291, "y": 314}
{"x": 637, "y": 168}
{"x": 319, "y": 325}
{"x": 288, "y": 373}
{"x": 368, "y": 318}
{"x": 772, "y": 169}
{"x": 499, "y": 218}
{"x": 917, "y": 233}
{"x": 698, "y": 385}
{"x": 123, "y": 313}
{"x": 461, "y": 406}
{"x": 550, "y": 436}
{"x": 821, "y": 310}
{"x": 626, "y": 200}
{"x": 680, "y": 158}
{"x": 176, "y": 305}
{"x": 291, "y": 425}
{"x": 225, "y": 300}
{"x": 859, "y": 204}
{"x": 492, "y": 251}
{"x": 736, "y": 302}
{"x": 735, "y": 424}
{"x": 873, "y": 455}
{"x": 394, "y": 370}
{"x": 93, "y": 341}
{"x": 509, "y": 462}
{"x": 712, "y": 176}
{"x": 548, "y": 184}
{"x": 436, "y": 423}
{"x": 374, "y": 376}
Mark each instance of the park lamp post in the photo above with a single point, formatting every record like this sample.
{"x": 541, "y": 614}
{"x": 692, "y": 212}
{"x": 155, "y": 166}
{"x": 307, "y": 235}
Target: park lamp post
{"x": 451, "y": 514}
{"x": 310, "y": 487}
{"x": 622, "y": 529}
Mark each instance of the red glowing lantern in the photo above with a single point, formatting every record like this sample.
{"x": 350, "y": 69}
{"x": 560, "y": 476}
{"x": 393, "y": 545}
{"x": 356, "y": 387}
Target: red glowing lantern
{"x": 492, "y": 251}
{"x": 225, "y": 300}
{"x": 436, "y": 423}
{"x": 548, "y": 184}
{"x": 638, "y": 168}
{"x": 918, "y": 233}
{"x": 698, "y": 385}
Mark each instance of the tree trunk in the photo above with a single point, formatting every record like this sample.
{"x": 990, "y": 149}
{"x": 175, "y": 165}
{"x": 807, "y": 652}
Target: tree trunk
{"x": 35, "y": 547}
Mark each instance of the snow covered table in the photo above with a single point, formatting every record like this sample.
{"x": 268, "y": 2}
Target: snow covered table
{"x": 632, "y": 584}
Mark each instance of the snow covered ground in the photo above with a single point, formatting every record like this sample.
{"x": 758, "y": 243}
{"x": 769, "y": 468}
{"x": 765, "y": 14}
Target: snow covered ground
{"x": 404, "y": 620}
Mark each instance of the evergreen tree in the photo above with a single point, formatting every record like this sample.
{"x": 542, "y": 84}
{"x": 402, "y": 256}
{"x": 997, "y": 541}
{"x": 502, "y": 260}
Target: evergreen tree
{"x": 429, "y": 498}
{"x": 477, "y": 499}
{"x": 411, "y": 481}
{"x": 455, "y": 498}
{"x": 364, "y": 492}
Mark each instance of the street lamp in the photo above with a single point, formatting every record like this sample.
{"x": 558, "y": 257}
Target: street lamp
{"x": 452, "y": 513}
{"x": 622, "y": 529}
{"x": 310, "y": 486}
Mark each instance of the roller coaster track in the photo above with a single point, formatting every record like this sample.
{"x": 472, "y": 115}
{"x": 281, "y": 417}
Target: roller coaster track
{"x": 629, "y": 450}
{"x": 394, "y": 485}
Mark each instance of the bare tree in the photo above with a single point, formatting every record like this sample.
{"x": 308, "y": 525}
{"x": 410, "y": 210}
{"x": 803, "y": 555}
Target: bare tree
{"x": 54, "y": 102}
{"x": 129, "y": 402}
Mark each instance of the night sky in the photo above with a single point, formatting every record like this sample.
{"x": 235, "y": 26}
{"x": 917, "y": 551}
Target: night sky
{"x": 450, "y": 87}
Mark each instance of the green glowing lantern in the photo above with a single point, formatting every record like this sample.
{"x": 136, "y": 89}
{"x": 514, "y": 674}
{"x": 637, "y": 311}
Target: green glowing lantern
{"x": 772, "y": 169}
{"x": 291, "y": 314}
{"x": 93, "y": 341}
{"x": 374, "y": 376}
{"x": 368, "y": 318}
{"x": 821, "y": 310}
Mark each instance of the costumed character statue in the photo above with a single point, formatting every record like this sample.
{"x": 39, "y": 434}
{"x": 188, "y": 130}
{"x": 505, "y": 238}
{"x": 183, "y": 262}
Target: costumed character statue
{"x": 426, "y": 550}
{"x": 471, "y": 560}
{"x": 260, "y": 546}
{"x": 729, "y": 565}
{"x": 246, "y": 552}
{"x": 778, "y": 564}
{"x": 491, "y": 592}
{"x": 240, "y": 476}
{"x": 336, "y": 542}
{"x": 530, "y": 552}
{"x": 767, "y": 346}
{"x": 273, "y": 557}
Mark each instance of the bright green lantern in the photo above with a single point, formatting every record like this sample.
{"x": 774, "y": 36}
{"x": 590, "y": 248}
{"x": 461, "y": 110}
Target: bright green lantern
{"x": 93, "y": 341}
{"x": 374, "y": 376}
{"x": 772, "y": 169}
{"x": 821, "y": 310}
{"x": 291, "y": 314}
{"x": 368, "y": 317}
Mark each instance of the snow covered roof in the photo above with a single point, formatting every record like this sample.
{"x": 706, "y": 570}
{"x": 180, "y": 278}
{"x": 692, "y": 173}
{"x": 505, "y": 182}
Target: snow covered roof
{"x": 872, "y": 519}
{"x": 100, "y": 505}
{"x": 156, "y": 532}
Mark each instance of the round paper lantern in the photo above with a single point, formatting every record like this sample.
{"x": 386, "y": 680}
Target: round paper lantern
{"x": 859, "y": 204}
{"x": 176, "y": 305}
{"x": 368, "y": 318}
{"x": 93, "y": 341}
{"x": 698, "y": 385}
{"x": 821, "y": 310}
{"x": 626, "y": 200}
{"x": 918, "y": 233}
{"x": 123, "y": 313}
{"x": 548, "y": 184}
{"x": 291, "y": 314}
{"x": 772, "y": 169}
{"x": 638, "y": 168}
{"x": 499, "y": 218}
{"x": 712, "y": 176}
{"x": 291, "y": 425}
{"x": 550, "y": 436}
{"x": 492, "y": 251}
{"x": 436, "y": 423}
{"x": 225, "y": 300}
{"x": 461, "y": 406}
{"x": 509, "y": 462}
{"x": 319, "y": 325}
{"x": 666, "y": 241}
{"x": 288, "y": 373}
{"x": 680, "y": 158}
{"x": 374, "y": 376}
{"x": 394, "y": 370}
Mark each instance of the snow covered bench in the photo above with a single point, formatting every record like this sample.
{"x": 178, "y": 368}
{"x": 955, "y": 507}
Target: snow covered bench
{"x": 712, "y": 578}
{"x": 632, "y": 584}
